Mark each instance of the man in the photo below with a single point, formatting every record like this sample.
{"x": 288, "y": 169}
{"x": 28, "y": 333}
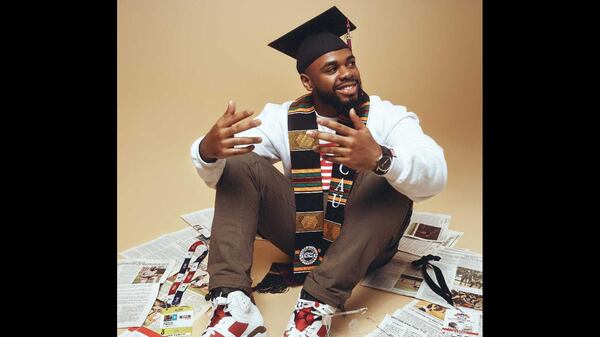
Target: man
{"x": 353, "y": 166}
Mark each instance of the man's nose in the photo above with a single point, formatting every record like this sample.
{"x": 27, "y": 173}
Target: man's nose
{"x": 345, "y": 72}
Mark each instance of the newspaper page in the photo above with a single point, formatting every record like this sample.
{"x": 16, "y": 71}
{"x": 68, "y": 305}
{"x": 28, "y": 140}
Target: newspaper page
{"x": 201, "y": 220}
{"x": 431, "y": 327}
{"x": 143, "y": 271}
{"x": 427, "y": 226}
{"x": 138, "y": 283}
{"x": 393, "y": 327}
{"x": 193, "y": 296}
{"x": 133, "y": 302}
{"x": 417, "y": 246}
{"x": 173, "y": 246}
{"x": 447, "y": 265}
{"x": 463, "y": 322}
{"x": 467, "y": 287}
{"x": 400, "y": 277}
{"x": 432, "y": 313}
{"x": 450, "y": 238}
{"x": 397, "y": 276}
{"x": 426, "y": 233}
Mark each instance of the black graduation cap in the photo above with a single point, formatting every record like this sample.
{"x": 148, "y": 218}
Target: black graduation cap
{"x": 315, "y": 37}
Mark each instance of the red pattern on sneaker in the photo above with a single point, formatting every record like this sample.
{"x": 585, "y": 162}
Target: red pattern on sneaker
{"x": 216, "y": 334}
{"x": 238, "y": 328}
{"x": 304, "y": 318}
{"x": 218, "y": 314}
{"x": 322, "y": 332}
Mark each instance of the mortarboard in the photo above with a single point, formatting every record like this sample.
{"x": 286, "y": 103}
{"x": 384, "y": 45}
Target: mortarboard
{"x": 315, "y": 37}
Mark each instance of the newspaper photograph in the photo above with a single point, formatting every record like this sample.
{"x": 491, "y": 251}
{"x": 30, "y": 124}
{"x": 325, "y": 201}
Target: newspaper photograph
{"x": 427, "y": 226}
{"x": 462, "y": 322}
{"x": 193, "y": 297}
{"x": 428, "y": 232}
{"x": 467, "y": 287}
{"x": 143, "y": 271}
{"x": 429, "y": 310}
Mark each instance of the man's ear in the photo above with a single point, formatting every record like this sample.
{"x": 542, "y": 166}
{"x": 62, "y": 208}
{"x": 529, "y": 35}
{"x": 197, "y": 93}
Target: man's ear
{"x": 306, "y": 82}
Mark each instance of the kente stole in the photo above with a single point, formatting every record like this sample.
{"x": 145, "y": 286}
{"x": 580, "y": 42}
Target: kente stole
{"x": 315, "y": 229}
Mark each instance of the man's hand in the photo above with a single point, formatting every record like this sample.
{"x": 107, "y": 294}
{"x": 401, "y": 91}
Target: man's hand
{"x": 219, "y": 142}
{"x": 354, "y": 148}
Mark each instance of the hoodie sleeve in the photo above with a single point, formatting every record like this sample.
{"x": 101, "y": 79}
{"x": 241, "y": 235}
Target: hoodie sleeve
{"x": 419, "y": 170}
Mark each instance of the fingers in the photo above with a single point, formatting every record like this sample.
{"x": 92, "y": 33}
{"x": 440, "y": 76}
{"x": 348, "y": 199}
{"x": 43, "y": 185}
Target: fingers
{"x": 358, "y": 124}
{"x": 336, "y": 159}
{"x": 333, "y": 150}
{"x": 340, "y": 128}
{"x": 236, "y": 117}
{"x": 231, "y": 142}
{"x": 237, "y": 151}
{"x": 329, "y": 137}
{"x": 242, "y": 126}
{"x": 230, "y": 108}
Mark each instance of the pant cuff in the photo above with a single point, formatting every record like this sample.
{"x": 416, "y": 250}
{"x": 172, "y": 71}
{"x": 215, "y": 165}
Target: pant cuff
{"x": 230, "y": 282}
{"x": 322, "y": 294}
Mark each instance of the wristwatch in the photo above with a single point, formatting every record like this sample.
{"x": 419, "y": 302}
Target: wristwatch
{"x": 384, "y": 162}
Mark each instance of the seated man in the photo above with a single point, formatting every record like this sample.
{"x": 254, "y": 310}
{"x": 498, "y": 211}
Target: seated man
{"x": 354, "y": 164}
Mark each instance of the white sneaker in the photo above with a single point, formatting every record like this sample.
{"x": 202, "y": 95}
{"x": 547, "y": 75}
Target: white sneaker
{"x": 310, "y": 319}
{"x": 235, "y": 316}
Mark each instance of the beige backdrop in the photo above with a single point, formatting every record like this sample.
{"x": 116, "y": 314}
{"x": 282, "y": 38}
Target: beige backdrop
{"x": 179, "y": 61}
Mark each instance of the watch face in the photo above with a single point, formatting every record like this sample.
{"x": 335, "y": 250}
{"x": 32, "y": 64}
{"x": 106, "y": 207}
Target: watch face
{"x": 385, "y": 163}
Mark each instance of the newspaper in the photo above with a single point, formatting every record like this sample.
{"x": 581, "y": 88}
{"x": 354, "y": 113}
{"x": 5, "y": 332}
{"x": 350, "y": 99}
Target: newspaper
{"x": 133, "y": 302}
{"x": 400, "y": 277}
{"x": 450, "y": 238}
{"x": 138, "y": 283}
{"x": 462, "y": 271}
{"x": 423, "y": 318}
{"x": 143, "y": 271}
{"x": 427, "y": 226}
{"x": 462, "y": 322}
{"x": 429, "y": 325}
{"x": 201, "y": 220}
{"x": 193, "y": 296}
{"x": 467, "y": 285}
{"x": 392, "y": 327}
{"x": 428, "y": 232}
{"x": 172, "y": 246}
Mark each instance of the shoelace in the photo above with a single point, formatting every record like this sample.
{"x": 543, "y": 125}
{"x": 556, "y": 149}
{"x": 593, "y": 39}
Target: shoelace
{"x": 213, "y": 324}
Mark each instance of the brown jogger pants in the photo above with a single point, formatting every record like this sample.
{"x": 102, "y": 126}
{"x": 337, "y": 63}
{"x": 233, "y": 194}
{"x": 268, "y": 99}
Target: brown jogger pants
{"x": 254, "y": 197}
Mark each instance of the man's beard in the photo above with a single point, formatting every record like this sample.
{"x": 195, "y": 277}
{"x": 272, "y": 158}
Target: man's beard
{"x": 332, "y": 99}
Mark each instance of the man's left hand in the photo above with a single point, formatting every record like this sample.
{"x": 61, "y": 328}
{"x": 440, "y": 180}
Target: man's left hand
{"x": 354, "y": 148}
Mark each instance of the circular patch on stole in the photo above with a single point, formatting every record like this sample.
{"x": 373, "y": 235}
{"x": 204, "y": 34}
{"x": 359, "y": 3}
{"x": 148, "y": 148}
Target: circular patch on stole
{"x": 308, "y": 255}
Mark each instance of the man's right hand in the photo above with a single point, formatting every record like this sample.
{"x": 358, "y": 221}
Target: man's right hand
{"x": 219, "y": 142}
